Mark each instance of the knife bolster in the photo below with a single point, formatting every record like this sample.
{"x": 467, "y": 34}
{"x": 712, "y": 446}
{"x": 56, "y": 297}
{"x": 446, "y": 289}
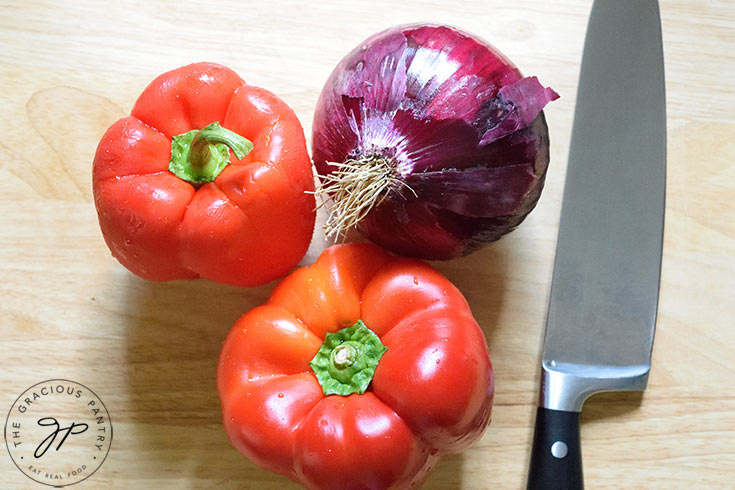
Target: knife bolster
{"x": 565, "y": 386}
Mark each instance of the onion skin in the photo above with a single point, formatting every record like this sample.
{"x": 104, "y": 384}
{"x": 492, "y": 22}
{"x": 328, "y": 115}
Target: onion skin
{"x": 462, "y": 127}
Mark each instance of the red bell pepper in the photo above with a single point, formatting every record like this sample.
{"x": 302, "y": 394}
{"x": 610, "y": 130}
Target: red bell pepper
{"x": 358, "y": 373}
{"x": 179, "y": 196}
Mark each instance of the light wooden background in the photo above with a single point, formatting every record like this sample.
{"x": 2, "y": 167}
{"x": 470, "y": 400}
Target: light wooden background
{"x": 149, "y": 350}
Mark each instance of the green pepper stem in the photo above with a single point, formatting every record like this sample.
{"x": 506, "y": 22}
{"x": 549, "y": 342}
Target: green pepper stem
{"x": 346, "y": 361}
{"x": 199, "y": 156}
{"x": 344, "y": 355}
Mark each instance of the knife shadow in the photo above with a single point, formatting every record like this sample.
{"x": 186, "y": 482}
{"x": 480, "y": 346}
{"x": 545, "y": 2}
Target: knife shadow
{"x": 610, "y": 404}
{"x": 174, "y": 335}
{"x": 598, "y": 407}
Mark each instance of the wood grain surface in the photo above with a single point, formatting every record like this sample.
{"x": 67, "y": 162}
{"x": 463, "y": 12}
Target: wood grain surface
{"x": 149, "y": 350}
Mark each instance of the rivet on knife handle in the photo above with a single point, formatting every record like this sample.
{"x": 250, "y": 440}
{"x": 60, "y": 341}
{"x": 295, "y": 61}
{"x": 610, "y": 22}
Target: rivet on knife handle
{"x": 556, "y": 457}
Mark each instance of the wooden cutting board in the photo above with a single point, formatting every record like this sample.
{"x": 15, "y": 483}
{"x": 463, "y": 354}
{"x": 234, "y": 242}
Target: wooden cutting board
{"x": 149, "y": 350}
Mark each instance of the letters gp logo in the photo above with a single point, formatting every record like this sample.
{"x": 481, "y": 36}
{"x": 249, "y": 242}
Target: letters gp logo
{"x": 58, "y": 432}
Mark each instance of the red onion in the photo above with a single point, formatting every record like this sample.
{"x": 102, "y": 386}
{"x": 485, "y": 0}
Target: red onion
{"x": 430, "y": 141}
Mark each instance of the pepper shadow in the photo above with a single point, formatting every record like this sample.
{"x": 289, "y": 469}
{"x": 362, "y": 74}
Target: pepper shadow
{"x": 173, "y": 338}
{"x": 174, "y": 335}
{"x": 446, "y": 474}
{"x": 481, "y": 277}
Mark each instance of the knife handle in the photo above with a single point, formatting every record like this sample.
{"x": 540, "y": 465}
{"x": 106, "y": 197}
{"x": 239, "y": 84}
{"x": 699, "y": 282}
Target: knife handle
{"x": 556, "y": 456}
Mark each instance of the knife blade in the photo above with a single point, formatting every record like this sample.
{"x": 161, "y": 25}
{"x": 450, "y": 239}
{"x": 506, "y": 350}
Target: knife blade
{"x": 605, "y": 283}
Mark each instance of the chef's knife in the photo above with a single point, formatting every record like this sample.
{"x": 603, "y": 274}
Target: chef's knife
{"x": 604, "y": 290}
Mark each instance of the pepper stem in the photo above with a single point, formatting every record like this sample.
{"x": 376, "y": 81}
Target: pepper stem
{"x": 346, "y": 361}
{"x": 355, "y": 188}
{"x": 344, "y": 355}
{"x": 199, "y": 156}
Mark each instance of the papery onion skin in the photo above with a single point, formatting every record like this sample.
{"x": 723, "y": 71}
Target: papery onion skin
{"x": 461, "y": 125}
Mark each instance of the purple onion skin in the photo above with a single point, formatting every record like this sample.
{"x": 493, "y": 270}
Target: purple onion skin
{"x": 463, "y": 127}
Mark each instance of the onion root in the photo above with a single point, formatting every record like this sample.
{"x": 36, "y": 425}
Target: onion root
{"x": 356, "y": 187}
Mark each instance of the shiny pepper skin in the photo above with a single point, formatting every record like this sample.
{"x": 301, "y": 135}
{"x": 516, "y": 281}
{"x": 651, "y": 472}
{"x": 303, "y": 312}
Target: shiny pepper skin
{"x": 431, "y": 393}
{"x": 251, "y": 225}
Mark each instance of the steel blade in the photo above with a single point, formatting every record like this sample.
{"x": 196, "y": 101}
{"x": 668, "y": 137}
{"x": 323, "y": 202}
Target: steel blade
{"x": 604, "y": 293}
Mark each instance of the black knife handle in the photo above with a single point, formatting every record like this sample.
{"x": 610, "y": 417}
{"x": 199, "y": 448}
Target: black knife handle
{"x": 556, "y": 456}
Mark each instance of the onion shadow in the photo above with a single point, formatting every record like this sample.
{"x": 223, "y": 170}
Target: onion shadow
{"x": 481, "y": 277}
